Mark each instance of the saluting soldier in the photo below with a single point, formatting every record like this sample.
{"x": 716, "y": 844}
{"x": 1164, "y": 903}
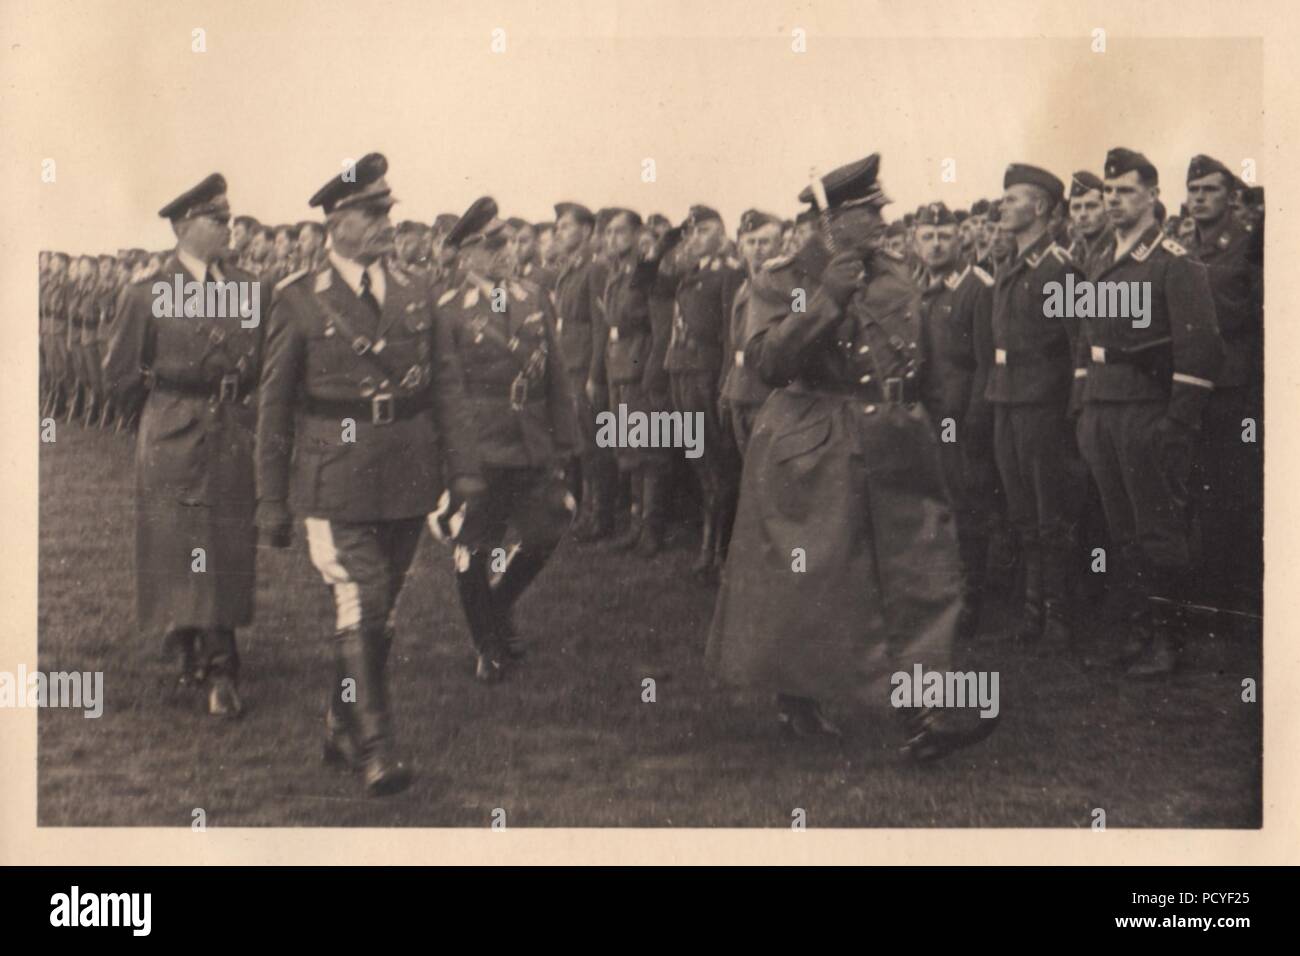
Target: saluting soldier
{"x": 957, "y": 341}
{"x": 743, "y": 392}
{"x": 578, "y": 288}
{"x": 195, "y": 541}
{"x": 843, "y": 567}
{"x": 704, "y": 285}
{"x": 522, "y": 415}
{"x": 362, "y": 422}
{"x": 1144, "y": 387}
{"x": 1229, "y": 466}
{"x": 1029, "y": 386}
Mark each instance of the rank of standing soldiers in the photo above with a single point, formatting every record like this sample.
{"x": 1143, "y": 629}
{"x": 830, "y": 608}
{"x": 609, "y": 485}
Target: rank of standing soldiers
{"x": 888, "y": 398}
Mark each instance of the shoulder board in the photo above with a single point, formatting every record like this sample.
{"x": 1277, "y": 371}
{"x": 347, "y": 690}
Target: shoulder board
{"x": 1170, "y": 246}
{"x": 448, "y": 295}
{"x": 777, "y": 263}
{"x": 290, "y": 279}
{"x": 322, "y": 280}
{"x": 983, "y": 276}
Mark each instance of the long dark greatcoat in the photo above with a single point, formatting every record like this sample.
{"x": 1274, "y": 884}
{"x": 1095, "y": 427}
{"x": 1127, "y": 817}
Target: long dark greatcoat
{"x": 847, "y": 480}
{"x": 194, "y": 454}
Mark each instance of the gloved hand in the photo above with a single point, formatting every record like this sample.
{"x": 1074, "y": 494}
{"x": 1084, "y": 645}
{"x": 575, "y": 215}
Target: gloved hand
{"x": 843, "y": 277}
{"x": 274, "y": 524}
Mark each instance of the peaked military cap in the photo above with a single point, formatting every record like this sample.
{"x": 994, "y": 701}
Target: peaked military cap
{"x": 852, "y": 185}
{"x": 1084, "y": 182}
{"x": 1120, "y": 161}
{"x": 208, "y": 198}
{"x": 577, "y": 210}
{"x": 1024, "y": 174}
{"x": 1205, "y": 166}
{"x": 935, "y": 214}
{"x": 474, "y": 222}
{"x": 980, "y": 207}
{"x": 360, "y": 184}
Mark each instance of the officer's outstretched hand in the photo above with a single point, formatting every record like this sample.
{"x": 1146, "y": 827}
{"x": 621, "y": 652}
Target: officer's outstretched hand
{"x": 274, "y": 524}
{"x": 843, "y": 275}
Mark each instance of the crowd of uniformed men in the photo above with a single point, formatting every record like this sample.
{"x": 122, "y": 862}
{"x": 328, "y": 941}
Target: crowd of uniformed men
{"x": 894, "y": 427}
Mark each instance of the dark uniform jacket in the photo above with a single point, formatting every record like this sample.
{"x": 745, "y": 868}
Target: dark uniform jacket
{"x": 1176, "y": 358}
{"x": 625, "y": 317}
{"x": 397, "y": 377}
{"x": 1237, "y": 282}
{"x": 517, "y": 391}
{"x": 577, "y": 297}
{"x": 703, "y": 296}
{"x": 740, "y": 383}
{"x": 957, "y": 342}
{"x": 1031, "y": 353}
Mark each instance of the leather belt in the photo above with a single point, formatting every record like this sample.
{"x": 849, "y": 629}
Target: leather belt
{"x": 383, "y": 408}
{"x": 892, "y": 391}
{"x": 226, "y": 391}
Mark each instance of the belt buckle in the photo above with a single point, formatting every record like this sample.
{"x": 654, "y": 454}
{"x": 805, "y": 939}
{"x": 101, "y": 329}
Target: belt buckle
{"x": 518, "y": 392}
{"x": 229, "y": 389}
{"x": 1098, "y": 354}
{"x": 382, "y": 409}
{"x": 999, "y": 356}
{"x": 894, "y": 390}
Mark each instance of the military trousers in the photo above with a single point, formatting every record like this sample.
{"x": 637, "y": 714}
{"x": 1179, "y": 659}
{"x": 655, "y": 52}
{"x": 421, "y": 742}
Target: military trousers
{"x": 970, "y": 476}
{"x": 599, "y": 469}
{"x": 1142, "y": 476}
{"x": 718, "y": 468}
{"x": 533, "y": 501}
{"x": 1032, "y": 446}
{"x": 365, "y": 565}
{"x": 638, "y": 399}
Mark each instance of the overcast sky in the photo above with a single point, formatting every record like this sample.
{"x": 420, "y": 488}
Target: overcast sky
{"x": 730, "y": 114}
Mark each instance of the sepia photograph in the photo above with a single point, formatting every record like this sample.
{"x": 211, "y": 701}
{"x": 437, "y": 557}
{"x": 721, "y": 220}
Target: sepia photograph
{"x": 596, "y": 415}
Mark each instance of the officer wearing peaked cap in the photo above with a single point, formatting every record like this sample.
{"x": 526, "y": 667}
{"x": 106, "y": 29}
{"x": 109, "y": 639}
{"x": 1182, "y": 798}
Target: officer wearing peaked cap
{"x": 363, "y": 420}
{"x": 520, "y": 409}
{"x": 957, "y": 346}
{"x": 842, "y": 473}
{"x": 1144, "y": 384}
{"x": 195, "y": 541}
{"x": 1229, "y": 471}
{"x": 1029, "y": 387}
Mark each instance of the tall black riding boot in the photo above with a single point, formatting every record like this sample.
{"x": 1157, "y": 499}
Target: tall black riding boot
{"x": 360, "y": 656}
{"x": 479, "y": 604}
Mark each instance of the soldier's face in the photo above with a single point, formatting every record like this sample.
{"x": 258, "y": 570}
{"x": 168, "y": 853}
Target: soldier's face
{"x": 488, "y": 259}
{"x": 205, "y": 237}
{"x": 570, "y": 234}
{"x": 620, "y": 236}
{"x": 937, "y": 246}
{"x": 545, "y": 244}
{"x": 105, "y": 268}
{"x": 858, "y": 228}
{"x": 1127, "y": 200}
{"x": 1087, "y": 213}
{"x": 1004, "y": 242}
{"x": 1207, "y": 198}
{"x": 706, "y": 238}
{"x": 802, "y": 233}
{"x": 57, "y": 266}
{"x": 309, "y": 243}
{"x": 523, "y": 245}
{"x": 239, "y": 236}
{"x": 362, "y": 233}
{"x": 767, "y": 242}
{"x": 1022, "y": 205}
{"x": 645, "y": 242}
{"x": 405, "y": 245}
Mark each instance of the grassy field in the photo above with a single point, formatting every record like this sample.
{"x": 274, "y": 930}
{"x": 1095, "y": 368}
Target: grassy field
{"x": 567, "y": 740}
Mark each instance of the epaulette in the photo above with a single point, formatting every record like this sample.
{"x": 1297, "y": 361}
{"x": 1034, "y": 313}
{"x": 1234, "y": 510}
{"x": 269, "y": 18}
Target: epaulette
{"x": 1170, "y": 246}
{"x": 447, "y": 296}
{"x": 290, "y": 279}
{"x": 983, "y": 276}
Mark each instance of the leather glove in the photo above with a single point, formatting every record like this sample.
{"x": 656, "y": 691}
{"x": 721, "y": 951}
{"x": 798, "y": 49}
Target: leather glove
{"x": 274, "y": 524}
{"x": 843, "y": 277}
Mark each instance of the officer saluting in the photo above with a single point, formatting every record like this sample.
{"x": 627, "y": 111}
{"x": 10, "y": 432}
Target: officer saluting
{"x": 1144, "y": 389}
{"x": 523, "y": 417}
{"x": 841, "y": 469}
{"x": 195, "y": 542}
{"x": 363, "y": 406}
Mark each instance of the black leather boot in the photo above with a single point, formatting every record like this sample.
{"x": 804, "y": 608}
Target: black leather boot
{"x": 650, "y": 540}
{"x": 220, "y": 665}
{"x": 479, "y": 604}
{"x": 360, "y": 652}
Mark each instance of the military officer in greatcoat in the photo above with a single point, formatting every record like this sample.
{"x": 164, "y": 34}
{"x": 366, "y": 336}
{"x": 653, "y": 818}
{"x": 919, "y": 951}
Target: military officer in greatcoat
{"x": 362, "y": 422}
{"x": 521, "y": 412}
{"x": 843, "y": 566}
{"x": 957, "y": 341}
{"x": 195, "y": 540}
{"x": 1144, "y": 383}
{"x": 1029, "y": 387}
{"x": 1229, "y": 464}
